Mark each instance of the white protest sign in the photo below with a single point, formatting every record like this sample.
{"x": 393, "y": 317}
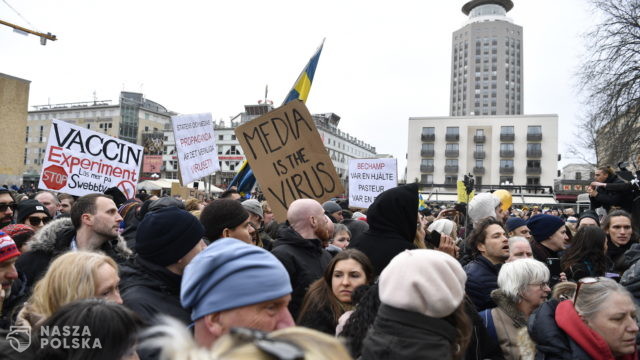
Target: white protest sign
{"x": 196, "y": 146}
{"x": 370, "y": 177}
{"x": 79, "y": 161}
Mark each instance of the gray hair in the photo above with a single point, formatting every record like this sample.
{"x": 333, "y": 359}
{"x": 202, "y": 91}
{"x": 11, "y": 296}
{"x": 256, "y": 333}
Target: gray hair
{"x": 515, "y": 276}
{"x": 516, "y": 239}
{"x": 340, "y": 228}
{"x": 592, "y": 296}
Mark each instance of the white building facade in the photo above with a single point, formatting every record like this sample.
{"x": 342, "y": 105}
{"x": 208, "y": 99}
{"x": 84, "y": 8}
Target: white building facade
{"x": 498, "y": 150}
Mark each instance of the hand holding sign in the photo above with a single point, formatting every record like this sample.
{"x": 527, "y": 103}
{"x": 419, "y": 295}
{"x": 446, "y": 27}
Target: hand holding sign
{"x": 288, "y": 157}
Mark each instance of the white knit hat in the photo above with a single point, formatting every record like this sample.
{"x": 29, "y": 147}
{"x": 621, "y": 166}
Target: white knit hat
{"x": 483, "y": 205}
{"x": 443, "y": 226}
{"x": 428, "y": 282}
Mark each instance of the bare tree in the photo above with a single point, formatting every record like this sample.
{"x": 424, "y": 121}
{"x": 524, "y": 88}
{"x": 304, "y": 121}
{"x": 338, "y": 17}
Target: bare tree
{"x": 610, "y": 79}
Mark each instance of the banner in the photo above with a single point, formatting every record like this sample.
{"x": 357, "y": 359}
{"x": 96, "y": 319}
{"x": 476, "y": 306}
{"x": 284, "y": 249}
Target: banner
{"x": 196, "y": 146}
{"x": 370, "y": 177}
{"x": 152, "y": 163}
{"x": 288, "y": 157}
{"x": 79, "y": 161}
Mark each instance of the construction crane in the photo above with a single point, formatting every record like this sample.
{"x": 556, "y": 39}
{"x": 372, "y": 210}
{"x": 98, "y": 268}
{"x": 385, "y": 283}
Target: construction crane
{"x": 43, "y": 37}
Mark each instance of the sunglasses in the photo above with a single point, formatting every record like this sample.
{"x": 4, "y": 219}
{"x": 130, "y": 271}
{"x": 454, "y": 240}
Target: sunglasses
{"x": 583, "y": 281}
{"x": 278, "y": 349}
{"x": 5, "y": 206}
{"x": 35, "y": 221}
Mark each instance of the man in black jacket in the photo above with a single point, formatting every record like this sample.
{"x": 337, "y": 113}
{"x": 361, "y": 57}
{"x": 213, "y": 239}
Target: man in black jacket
{"x": 299, "y": 248}
{"x": 93, "y": 226}
{"x": 166, "y": 241}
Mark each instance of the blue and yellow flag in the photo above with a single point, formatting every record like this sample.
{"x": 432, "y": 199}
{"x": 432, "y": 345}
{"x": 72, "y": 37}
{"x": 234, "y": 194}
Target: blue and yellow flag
{"x": 244, "y": 179}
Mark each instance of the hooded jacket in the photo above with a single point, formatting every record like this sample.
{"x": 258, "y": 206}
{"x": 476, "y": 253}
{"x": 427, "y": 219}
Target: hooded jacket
{"x": 305, "y": 261}
{"x": 392, "y": 222}
{"x": 401, "y": 334}
{"x": 55, "y": 239}
{"x": 149, "y": 289}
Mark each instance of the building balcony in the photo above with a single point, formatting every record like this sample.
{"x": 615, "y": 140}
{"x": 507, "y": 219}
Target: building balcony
{"x": 427, "y": 153}
{"x": 451, "y": 153}
{"x": 450, "y": 184}
{"x": 426, "y": 168}
{"x": 428, "y": 137}
{"x": 478, "y": 170}
{"x": 534, "y": 137}
{"x": 479, "y": 154}
{"x": 534, "y": 170}
{"x": 507, "y": 137}
{"x": 506, "y": 170}
{"x": 480, "y": 139}
{"x": 452, "y": 137}
{"x": 451, "y": 169}
{"x": 507, "y": 153}
{"x": 534, "y": 153}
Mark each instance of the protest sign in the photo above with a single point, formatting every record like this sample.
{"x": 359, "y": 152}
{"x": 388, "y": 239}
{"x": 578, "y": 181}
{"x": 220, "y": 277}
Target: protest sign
{"x": 370, "y": 177}
{"x": 152, "y": 163}
{"x": 288, "y": 157}
{"x": 187, "y": 192}
{"x": 79, "y": 161}
{"x": 195, "y": 145}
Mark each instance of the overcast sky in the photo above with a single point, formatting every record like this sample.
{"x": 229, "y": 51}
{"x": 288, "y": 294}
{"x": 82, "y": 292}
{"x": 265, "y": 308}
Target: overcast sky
{"x": 382, "y": 62}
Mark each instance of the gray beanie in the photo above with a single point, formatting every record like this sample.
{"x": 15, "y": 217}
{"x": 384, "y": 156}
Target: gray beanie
{"x": 331, "y": 206}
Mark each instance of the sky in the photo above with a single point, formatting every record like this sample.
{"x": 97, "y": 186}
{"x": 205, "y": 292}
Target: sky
{"x": 382, "y": 61}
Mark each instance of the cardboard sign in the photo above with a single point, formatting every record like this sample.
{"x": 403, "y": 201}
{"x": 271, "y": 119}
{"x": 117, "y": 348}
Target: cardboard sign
{"x": 79, "y": 161}
{"x": 288, "y": 157}
{"x": 185, "y": 192}
{"x": 196, "y": 146}
{"x": 370, "y": 177}
{"x": 152, "y": 163}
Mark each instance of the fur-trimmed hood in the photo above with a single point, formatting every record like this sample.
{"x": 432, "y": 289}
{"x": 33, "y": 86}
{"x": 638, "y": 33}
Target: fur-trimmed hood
{"x": 55, "y": 238}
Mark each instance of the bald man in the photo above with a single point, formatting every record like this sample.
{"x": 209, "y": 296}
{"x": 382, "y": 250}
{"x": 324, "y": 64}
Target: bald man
{"x": 299, "y": 248}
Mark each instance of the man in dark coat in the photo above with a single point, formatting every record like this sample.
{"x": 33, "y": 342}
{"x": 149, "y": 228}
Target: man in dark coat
{"x": 166, "y": 242}
{"x": 299, "y": 248}
{"x": 93, "y": 226}
{"x": 393, "y": 219}
{"x": 490, "y": 247}
{"x": 611, "y": 191}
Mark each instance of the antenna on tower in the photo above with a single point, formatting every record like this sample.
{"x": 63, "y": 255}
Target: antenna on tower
{"x": 95, "y": 98}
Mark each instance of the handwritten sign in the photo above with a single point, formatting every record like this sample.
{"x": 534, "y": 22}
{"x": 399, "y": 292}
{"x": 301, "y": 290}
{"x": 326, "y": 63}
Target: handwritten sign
{"x": 288, "y": 157}
{"x": 195, "y": 145}
{"x": 370, "y": 177}
{"x": 152, "y": 163}
{"x": 186, "y": 192}
{"x": 79, "y": 161}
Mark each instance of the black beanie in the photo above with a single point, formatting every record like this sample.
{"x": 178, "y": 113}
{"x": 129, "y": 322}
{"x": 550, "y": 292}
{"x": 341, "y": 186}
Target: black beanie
{"x": 28, "y": 207}
{"x": 222, "y": 214}
{"x": 166, "y": 235}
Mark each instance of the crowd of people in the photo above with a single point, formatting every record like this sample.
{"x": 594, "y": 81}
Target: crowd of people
{"x": 170, "y": 278}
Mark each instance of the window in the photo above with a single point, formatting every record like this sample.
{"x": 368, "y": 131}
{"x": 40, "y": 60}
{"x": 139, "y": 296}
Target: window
{"x": 427, "y": 147}
{"x": 478, "y": 180}
{"x": 220, "y": 137}
{"x": 427, "y": 162}
{"x": 233, "y": 137}
{"x": 453, "y": 131}
{"x": 578, "y": 174}
{"x": 506, "y": 163}
{"x": 452, "y": 162}
{"x": 506, "y": 147}
{"x": 535, "y": 164}
{"x": 426, "y": 179}
{"x": 504, "y": 180}
{"x": 506, "y": 130}
{"x": 428, "y": 131}
{"x": 452, "y": 147}
{"x": 479, "y": 147}
{"x": 534, "y": 130}
{"x": 479, "y": 163}
{"x": 534, "y": 147}
{"x": 533, "y": 181}
{"x": 450, "y": 179}
{"x": 479, "y": 132}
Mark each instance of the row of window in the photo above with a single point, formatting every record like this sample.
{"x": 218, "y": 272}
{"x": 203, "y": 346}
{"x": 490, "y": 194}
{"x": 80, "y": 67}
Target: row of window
{"x": 453, "y": 179}
{"x": 504, "y": 130}
{"x": 428, "y": 164}
{"x": 506, "y": 149}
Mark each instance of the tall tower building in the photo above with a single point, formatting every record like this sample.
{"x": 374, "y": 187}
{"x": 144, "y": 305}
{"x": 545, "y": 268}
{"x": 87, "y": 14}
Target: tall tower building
{"x": 486, "y": 62}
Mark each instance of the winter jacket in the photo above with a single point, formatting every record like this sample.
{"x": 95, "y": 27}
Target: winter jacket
{"x": 581, "y": 270}
{"x": 560, "y": 333}
{"x": 482, "y": 278}
{"x": 305, "y": 261}
{"x": 55, "y": 239}
{"x": 392, "y": 222}
{"x": 507, "y": 320}
{"x": 481, "y": 346}
{"x": 634, "y": 192}
{"x": 401, "y": 334}
{"x": 631, "y": 277}
{"x": 616, "y": 253}
{"x": 151, "y": 290}
{"x": 541, "y": 252}
{"x": 320, "y": 319}
{"x": 7, "y": 347}
{"x": 11, "y": 305}
{"x": 619, "y": 195}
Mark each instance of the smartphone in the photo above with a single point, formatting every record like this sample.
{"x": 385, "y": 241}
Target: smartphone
{"x": 554, "y": 266}
{"x": 434, "y": 239}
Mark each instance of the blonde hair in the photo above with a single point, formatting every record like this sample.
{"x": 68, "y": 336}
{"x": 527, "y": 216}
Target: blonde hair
{"x": 70, "y": 277}
{"x": 177, "y": 344}
{"x": 192, "y": 204}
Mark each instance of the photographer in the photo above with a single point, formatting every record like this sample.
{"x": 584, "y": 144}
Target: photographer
{"x": 609, "y": 190}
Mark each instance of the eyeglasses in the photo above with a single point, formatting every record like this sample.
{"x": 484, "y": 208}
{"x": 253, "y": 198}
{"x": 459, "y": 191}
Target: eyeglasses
{"x": 587, "y": 280}
{"x": 35, "y": 221}
{"x": 279, "y": 349}
{"x": 542, "y": 285}
{"x": 4, "y": 206}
